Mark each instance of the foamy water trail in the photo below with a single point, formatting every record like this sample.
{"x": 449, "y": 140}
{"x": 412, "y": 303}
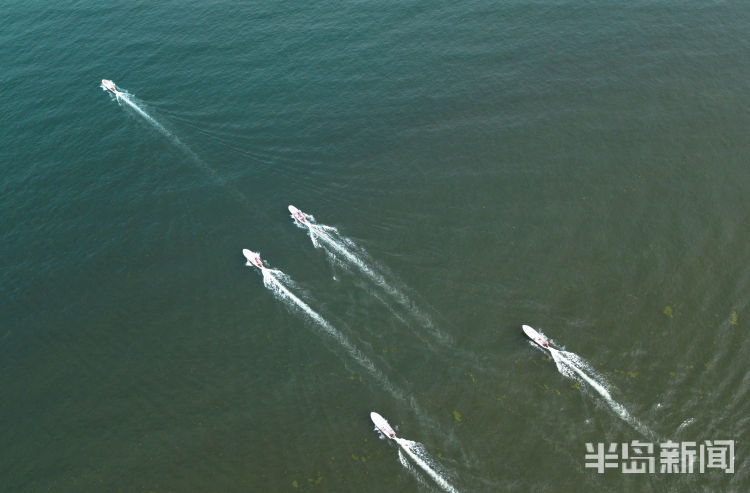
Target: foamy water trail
{"x": 419, "y": 455}
{"x": 570, "y": 365}
{"x": 321, "y": 233}
{"x": 573, "y": 366}
{"x": 339, "y": 247}
{"x": 123, "y": 96}
{"x": 411, "y": 469}
{"x": 275, "y": 284}
{"x": 282, "y": 277}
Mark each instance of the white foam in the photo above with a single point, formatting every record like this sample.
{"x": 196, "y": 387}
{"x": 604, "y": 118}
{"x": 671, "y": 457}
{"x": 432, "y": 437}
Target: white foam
{"x": 341, "y": 248}
{"x": 411, "y": 469}
{"x": 573, "y": 366}
{"x": 122, "y": 96}
{"x": 272, "y": 282}
{"x": 125, "y": 97}
{"x": 419, "y": 455}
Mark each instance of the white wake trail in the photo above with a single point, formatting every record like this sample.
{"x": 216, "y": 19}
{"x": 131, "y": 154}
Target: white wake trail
{"x": 125, "y": 97}
{"x": 272, "y": 282}
{"x": 322, "y": 233}
{"x": 276, "y": 286}
{"x": 420, "y": 457}
{"x": 340, "y": 247}
{"x": 570, "y": 364}
{"x": 411, "y": 469}
{"x": 573, "y": 366}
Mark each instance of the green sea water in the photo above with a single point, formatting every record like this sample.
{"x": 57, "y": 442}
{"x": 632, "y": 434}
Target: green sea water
{"x": 577, "y": 166}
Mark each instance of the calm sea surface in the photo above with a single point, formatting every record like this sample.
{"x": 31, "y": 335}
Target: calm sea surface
{"x": 577, "y": 166}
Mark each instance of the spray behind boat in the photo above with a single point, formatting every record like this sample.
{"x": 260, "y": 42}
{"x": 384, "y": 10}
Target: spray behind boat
{"x": 414, "y": 450}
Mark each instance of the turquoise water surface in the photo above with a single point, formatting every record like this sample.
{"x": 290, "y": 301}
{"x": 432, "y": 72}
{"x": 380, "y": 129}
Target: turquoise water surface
{"x": 580, "y": 167}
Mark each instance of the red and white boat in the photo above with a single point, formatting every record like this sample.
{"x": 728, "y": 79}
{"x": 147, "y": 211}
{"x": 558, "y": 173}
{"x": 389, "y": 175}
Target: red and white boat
{"x": 535, "y": 336}
{"x": 298, "y": 215}
{"x": 108, "y": 85}
{"x": 253, "y": 258}
{"x": 382, "y": 425}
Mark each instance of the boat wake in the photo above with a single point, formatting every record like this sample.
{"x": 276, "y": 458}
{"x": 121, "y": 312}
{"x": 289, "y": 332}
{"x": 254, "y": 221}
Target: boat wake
{"x": 277, "y": 287}
{"x": 124, "y": 97}
{"x": 417, "y": 453}
{"x": 411, "y": 469}
{"x": 280, "y": 285}
{"x": 573, "y": 366}
{"x": 344, "y": 251}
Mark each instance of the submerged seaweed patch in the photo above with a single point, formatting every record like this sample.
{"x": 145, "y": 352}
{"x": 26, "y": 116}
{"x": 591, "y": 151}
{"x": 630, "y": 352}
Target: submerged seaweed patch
{"x": 668, "y": 311}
